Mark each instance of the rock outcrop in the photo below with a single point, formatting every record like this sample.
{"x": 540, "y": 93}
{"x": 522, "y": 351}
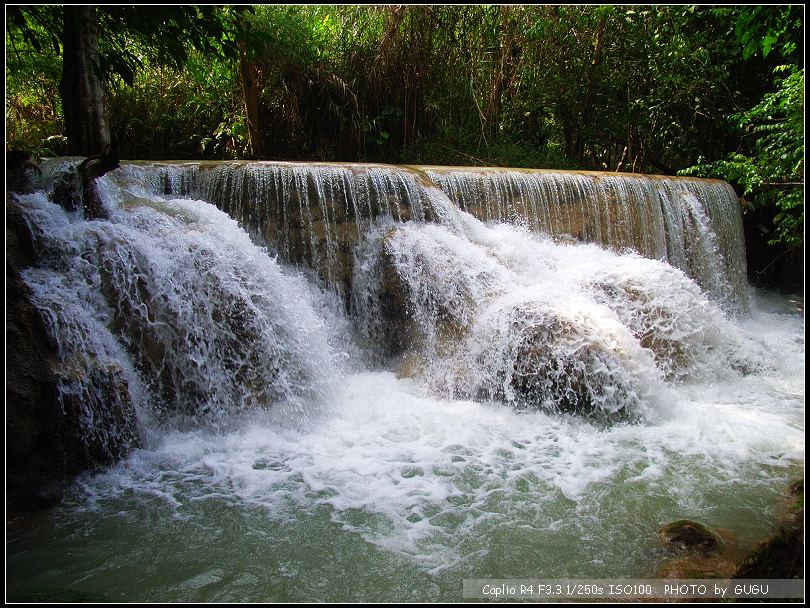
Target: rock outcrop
{"x": 35, "y": 463}
{"x": 47, "y": 438}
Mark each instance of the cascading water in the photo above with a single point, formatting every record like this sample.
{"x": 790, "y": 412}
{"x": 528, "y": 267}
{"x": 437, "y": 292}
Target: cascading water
{"x": 174, "y": 293}
{"x": 315, "y": 213}
{"x": 694, "y": 225}
{"x": 423, "y": 398}
{"x": 309, "y": 213}
{"x": 497, "y": 313}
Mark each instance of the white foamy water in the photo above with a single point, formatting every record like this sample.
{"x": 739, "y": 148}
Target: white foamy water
{"x": 502, "y": 313}
{"x": 284, "y": 459}
{"x": 391, "y": 484}
{"x": 695, "y": 225}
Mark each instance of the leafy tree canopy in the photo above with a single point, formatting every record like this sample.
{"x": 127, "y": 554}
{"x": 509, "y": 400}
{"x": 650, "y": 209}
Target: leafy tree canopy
{"x": 129, "y": 34}
{"x": 769, "y": 165}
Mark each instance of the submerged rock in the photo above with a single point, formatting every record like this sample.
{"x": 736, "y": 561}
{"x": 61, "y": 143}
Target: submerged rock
{"x": 704, "y": 554}
{"x": 691, "y": 536}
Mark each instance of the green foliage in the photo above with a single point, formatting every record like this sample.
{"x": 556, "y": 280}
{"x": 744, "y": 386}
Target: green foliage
{"x": 33, "y": 68}
{"x": 769, "y": 165}
{"x": 143, "y": 57}
{"x": 631, "y": 88}
{"x": 763, "y": 28}
{"x": 772, "y": 173}
{"x": 129, "y": 34}
{"x": 206, "y": 120}
{"x": 162, "y": 35}
{"x": 283, "y": 34}
{"x": 35, "y": 27}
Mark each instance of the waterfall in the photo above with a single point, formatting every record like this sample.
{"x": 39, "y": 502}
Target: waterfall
{"x": 499, "y": 313}
{"x": 310, "y": 214}
{"x": 694, "y": 225}
{"x": 172, "y": 301}
{"x": 351, "y": 373}
{"x": 315, "y": 213}
{"x": 205, "y": 322}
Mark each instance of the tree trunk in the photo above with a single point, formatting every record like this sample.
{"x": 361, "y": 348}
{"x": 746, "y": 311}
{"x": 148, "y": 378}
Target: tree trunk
{"x": 499, "y": 78}
{"x": 250, "y": 93}
{"x": 588, "y": 103}
{"x": 82, "y": 94}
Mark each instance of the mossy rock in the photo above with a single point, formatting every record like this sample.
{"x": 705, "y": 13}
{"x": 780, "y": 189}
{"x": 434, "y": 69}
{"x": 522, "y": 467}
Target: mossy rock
{"x": 691, "y": 536}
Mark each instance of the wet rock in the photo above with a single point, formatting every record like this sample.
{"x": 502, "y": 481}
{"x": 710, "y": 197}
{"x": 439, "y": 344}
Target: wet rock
{"x": 76, "y": 188}
{"x": 409, "y": 366}
{"x": 90, "y": 169}
{"x": 200, "y": 358}
{"x": 575, "y": 381}
{"x": 67, "y": 190}
{"x": 97, "y": 413}
{"x": 415, "y": 302}
{"x": 697, "y": 565}
{"x": 34, "y": 463}
{"x": 21, "y": 171}
{"x": 652, "y": 324}
{"x": 57, "y": 145}
{"x": 781, "y": 556}
{"x": 691, "y": 536}
{"x": 540, "y": 359}
{"x": 381, "y": 298}
{"x": 48, "y": 439}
